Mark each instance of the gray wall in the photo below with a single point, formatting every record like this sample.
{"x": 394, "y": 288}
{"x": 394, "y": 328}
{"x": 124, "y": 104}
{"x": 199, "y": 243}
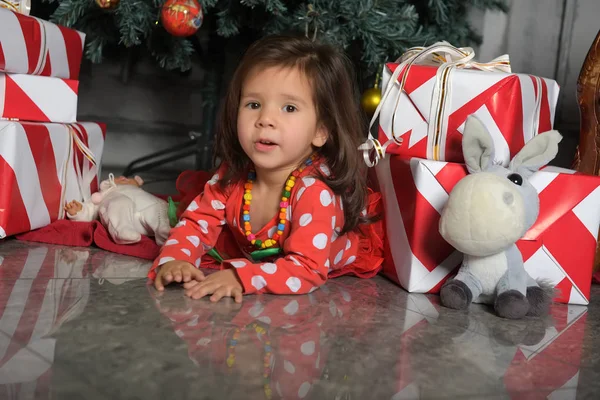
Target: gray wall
{"x": 155, "y": 109}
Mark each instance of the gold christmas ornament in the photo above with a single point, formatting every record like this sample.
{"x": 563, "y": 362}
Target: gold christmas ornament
{"x": 107, "y": 4}
{"x": 371, "y": 98}
{"x": 20, "y": 6}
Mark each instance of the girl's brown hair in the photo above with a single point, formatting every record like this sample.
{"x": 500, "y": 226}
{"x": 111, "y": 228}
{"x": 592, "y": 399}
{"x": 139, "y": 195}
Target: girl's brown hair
{"x": 332, "y": 77}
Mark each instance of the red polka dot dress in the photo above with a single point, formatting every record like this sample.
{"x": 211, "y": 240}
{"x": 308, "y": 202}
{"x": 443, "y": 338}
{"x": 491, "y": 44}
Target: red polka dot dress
{"x": 312, "y": 247}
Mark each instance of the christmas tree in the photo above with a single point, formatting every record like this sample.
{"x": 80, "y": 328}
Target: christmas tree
{"x": 372, "y": 31}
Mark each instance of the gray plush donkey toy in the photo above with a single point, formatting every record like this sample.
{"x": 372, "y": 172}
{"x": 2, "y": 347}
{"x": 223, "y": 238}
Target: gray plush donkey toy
{"x": 487, "y": 212}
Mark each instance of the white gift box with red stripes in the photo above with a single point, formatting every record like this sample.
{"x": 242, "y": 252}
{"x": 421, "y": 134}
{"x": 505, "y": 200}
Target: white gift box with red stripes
{"x": 33, "y": 46}
{"x": 38, "y": 98}
{"x": 41, "y": 167}
{"x": 560, "y": 247}
{"x": 428, "y": 94}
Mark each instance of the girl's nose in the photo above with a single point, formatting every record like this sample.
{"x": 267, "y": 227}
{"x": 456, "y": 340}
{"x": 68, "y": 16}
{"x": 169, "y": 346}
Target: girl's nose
{"x": 265, "y": 120}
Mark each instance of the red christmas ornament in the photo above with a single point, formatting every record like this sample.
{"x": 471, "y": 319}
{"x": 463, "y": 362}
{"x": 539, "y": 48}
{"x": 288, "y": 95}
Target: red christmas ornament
{"x": 181, "y": 17}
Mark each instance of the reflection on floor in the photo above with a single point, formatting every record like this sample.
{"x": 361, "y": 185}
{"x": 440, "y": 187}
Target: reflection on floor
{"x": 82, "y": 323}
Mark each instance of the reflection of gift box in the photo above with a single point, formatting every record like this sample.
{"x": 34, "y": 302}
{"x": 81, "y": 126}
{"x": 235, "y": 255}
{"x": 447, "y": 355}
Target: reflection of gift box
{"x": 38, "y": 98}
{"x": 32, "y": 46}
{"x": 429, "y": 113}
{"x": 560, "y": 247}
{"x": 530, "y": 359}
{"x": 43, "y": 165}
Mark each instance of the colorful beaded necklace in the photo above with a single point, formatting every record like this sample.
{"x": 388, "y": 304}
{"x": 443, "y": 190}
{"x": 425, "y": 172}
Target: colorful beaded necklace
{"x": 285, "y": 197}
{"x": 266, "y": 360}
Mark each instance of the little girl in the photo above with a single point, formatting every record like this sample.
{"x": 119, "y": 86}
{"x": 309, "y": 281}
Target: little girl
{"x": 289, "y": 205}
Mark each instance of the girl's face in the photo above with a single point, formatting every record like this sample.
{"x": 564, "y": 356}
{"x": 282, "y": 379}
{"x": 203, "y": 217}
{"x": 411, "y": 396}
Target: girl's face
{"x": 277, "y": 119}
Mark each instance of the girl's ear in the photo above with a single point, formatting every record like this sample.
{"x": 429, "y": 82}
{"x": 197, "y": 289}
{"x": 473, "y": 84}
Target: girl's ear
{"x": 321, "y": 136}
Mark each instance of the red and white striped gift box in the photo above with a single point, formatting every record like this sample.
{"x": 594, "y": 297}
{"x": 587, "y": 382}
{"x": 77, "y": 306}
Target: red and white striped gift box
{"x": 38, "y": 98}
{"x": 547, "y": 369}
{"x": 41, "y": 167}
{"x": 33, "y": 46}
{"x": 415, "y": 191}
{"x": 54, "y": 288}
{"x": 428, "y": 94}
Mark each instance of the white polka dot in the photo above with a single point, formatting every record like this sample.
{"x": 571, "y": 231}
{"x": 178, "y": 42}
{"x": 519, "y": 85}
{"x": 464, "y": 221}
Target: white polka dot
{"x": 318, "y": 360}
{"x": 195, "y": 240}
{"x": 171, "y": 242}
{"x": 295, "y": 261}
{"x": 258, "y": 282}
{"x": 364, "y": 212}
{"x": 214, "y": 179}
{"x": 333, "y": 200}
{"x": 193, "y": 321}
{"x": 289, "y": 367}
{"x": 234, "y": 222}
{"x": 327, "y": 264}
{"x": 278, "y": 388}
{"x": 332, "y": 308}
{"x": 223, "y": 222}
{"x": 206, "y": 247}
{"x": 313, "y": 289}
{"x": 179, "y": 333}
{"x": 348, "y": 244}
{"x": 293, "y": 283}
{"x": 256, "y": 309}
{"x": 288, "y": 214}
{"x": 186, "y": 252}
{"x": 308, "y": 348}
{"x": 341, "y": 205}
{"x": 334, "y": 236}
{"x": 193, "y": 206}
{"x": 288, "y": 326}
{"x": 308, "y": 180}
{"x": 165, "y": 260}
{"x": 304, "y": 389}
{"x": 179, "y": 224}
{"x": 291, "y": 308}
{"x": 338, "y": 257}
{"x": 203, "y": 341}
{"x": 325, "y": 169}
{"x": 265, "y": 319}
{"x": 333, "y": 222}
{"x": 238, "y": 264}
{"x": 203, "y": 226}
{"x": 305, "y": 219}
{"x": 350, "y": 260}
{"x": 325, "y": 197}
{"x": 346, "y": 296}
{"x": 269, "y": 268}
{"x": 217, "y": 204}
{"x": 272, "y": 231}
{"x": 300, "y": 193}
{"x": 198, "y": 262}
{"x": 320, "y": 241}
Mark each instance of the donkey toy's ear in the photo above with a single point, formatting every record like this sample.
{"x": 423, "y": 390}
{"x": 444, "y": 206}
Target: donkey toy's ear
{"x": 478, "y": 146}
{"x": 536, "y": 153}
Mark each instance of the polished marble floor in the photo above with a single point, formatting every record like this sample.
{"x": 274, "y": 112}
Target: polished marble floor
{"x": 84, "y": 324}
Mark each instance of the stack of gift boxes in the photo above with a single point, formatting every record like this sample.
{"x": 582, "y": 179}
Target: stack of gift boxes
{"x": 417, "y": 157}
{"x": 46, "y": 157}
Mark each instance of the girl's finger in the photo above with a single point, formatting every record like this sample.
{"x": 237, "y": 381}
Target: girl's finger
{"x": 237, "y": 295}
{"x": 190, "y": 284}
{"x": 219, "y": 294}
{"x": 187, "y": 275}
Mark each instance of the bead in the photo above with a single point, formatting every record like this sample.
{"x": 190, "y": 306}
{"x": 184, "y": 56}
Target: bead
{"x": 290, "y": 183}
{"x": 283, "y": 198}
{"x": 258, "y": 242}
{"x": 282, "y": 221}
{"x": 288, "y": 189}
{"x": 284, "y": 204}
{"x": 248, "y": 196}
{"x": 251, "y": 236}
{"x": 246, "y": 217}
{"x": 248, "y": 185}
{"x": 293, "y": 178}
{"x": 253, "y": 241}
{"x": 280, "y": 233}
{"x": 286, "y": 194}
{"x": 276, "y": 236}
{"x": 282, "y": 215}
{"x": 267, "y": 348}
{"x": 248, "y": 233}
{"x": 246, "y": 207}
{"x": 262, "y": 246}
{"x": 281, "y": 227}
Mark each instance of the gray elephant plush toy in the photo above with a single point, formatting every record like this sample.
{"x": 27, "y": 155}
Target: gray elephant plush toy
{"x": 487, "y": 212}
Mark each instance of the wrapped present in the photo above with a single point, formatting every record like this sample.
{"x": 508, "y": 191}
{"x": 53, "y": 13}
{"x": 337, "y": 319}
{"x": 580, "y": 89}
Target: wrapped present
{"x": 429, "y": 92}
{"x": 32, "y": 46}
{"x": 415, "y": 191}
{"x": 530, "y": 359}
{"x": 38, "y": 98}
{"x": 41, "y": 167}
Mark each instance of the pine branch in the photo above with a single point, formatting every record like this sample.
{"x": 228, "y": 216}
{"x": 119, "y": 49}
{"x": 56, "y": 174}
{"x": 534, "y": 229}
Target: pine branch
{"x": 135, "y": 20}
{"x": 70, "y": 11}
{"x": 170, "y": 52}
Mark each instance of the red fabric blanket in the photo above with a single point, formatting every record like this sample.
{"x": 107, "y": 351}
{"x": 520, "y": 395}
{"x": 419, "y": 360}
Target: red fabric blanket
{"x": 84, "y": 234}
{"x": 596, "y": 277}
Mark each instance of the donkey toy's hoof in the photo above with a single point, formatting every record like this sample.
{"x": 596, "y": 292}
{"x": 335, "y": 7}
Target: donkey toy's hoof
{"x": 456, "y": 294}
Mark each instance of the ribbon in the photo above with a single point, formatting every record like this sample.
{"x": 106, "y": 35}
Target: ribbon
{"x": 447, "y": 58}
{"x": 85, "y": 172}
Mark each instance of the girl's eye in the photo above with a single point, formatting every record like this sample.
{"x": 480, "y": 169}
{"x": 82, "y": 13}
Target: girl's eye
{"x": 289, "y": 108}
{"x": 253, "y": 105}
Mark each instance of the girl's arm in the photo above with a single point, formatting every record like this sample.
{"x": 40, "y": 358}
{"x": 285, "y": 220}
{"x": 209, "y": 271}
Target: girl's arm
{"x": 198, "y": 228}
{"x": 307, "y": 249}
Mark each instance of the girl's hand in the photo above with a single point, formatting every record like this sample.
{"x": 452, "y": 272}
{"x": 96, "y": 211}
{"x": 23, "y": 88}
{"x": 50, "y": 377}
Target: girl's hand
{"x": 221, "y": 284}
{"x": 73, "y": 207}
{"x": 176, "y": 271}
